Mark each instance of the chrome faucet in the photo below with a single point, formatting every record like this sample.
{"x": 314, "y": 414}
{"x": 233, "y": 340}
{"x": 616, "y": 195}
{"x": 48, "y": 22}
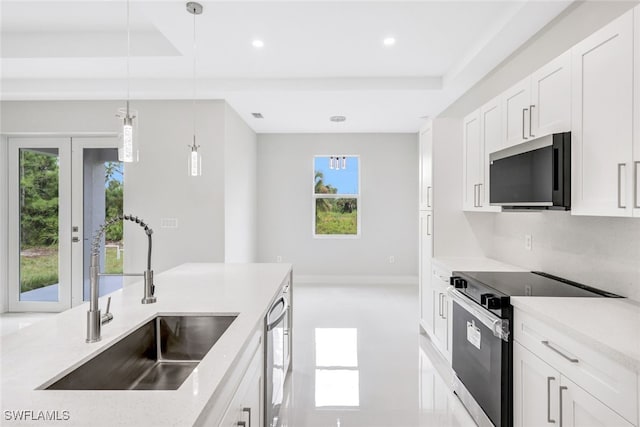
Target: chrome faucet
{"x": 94, "y": 319}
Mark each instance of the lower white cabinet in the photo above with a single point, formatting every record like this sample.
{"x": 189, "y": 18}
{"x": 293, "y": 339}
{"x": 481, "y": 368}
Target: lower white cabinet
{"x": 245, "y": 409}
{"x": 437, "y": 303}
{"x": 425, "y": 252}
{"x": 542, "y": 396}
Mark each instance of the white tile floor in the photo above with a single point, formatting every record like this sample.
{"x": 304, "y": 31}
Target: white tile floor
{"x": 359, "y": 361}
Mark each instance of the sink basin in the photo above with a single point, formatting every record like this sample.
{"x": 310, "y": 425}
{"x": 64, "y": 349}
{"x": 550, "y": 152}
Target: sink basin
{"x": 159, "y": 355}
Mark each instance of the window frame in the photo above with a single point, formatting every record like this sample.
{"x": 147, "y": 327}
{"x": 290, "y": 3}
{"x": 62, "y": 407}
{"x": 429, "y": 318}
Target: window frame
{"x": 315, "y": 196}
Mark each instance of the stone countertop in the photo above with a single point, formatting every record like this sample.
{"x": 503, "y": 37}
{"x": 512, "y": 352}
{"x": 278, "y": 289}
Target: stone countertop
{"x": 34, "y": 356}
{"x": 474, "y": 264}
{"x": 609, "y": 325}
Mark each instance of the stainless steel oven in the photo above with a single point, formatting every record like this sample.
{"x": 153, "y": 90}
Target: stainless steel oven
{"x": 277, "y": 355}
{"x": 482, "y": 360}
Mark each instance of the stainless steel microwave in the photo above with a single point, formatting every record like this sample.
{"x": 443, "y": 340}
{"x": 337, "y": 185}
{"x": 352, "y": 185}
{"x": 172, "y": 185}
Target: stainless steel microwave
{"x": 533, "y": 175}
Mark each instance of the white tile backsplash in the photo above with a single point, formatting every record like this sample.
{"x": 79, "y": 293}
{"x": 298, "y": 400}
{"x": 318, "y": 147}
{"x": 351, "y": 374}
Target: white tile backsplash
{"x": 599, "y": 251}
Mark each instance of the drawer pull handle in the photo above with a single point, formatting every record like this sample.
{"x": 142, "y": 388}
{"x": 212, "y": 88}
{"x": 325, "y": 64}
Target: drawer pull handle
{"x": 570, "y": 359}
{"x": 549, "y": 379}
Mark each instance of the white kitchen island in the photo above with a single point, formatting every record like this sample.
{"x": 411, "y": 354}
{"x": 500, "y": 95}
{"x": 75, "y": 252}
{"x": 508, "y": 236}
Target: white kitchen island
{"x": 34, "y": 357}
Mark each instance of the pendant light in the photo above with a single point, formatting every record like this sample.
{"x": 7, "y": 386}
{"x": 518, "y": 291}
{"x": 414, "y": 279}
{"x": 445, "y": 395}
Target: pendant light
{"x": 128, "y": 134}
{"x": 195, "y": 157}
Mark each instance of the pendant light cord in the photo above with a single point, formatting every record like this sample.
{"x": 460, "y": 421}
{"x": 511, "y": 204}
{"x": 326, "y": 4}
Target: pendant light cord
{"x": 195, "y": 50}
{"x": 128, "y": 55}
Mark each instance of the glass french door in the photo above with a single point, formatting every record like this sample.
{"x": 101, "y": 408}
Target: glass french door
{"x": 56, "y": 185}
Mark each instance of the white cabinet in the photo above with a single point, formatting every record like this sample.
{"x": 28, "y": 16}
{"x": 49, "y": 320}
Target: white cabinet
{"x": 482, "y": 135}
{"x": 515, "y": 105}
{"x": 471, "y": 161}
{"x": 245, "y": 407}
{"x": 425, "y": 253}
{"x": 535, "y": 390}
{"x": 557, "y": 376}
{"x": 543, "y": 396}
{"x": 550, "y": 108}
{"x": 425, "y": 168}
{"x": 602, "y": 121}
{"x": 580, "y": 409}
{"x": 540, "y": 104}
{"x": 442, "y": 314}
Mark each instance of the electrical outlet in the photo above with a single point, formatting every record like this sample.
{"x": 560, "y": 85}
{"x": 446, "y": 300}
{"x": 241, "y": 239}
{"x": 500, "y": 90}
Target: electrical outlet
{"x": 278, "y": 258}
{"x": 392, "y": 259}
{"x": 527, "y": 241}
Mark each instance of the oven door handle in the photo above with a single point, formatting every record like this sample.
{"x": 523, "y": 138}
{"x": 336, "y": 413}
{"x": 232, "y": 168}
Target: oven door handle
{"x": 499, "y": 327}
{"x": 282, "y": 299}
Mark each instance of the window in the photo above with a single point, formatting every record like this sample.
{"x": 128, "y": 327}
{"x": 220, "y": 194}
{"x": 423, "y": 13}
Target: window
{"x": 336, "y": 196}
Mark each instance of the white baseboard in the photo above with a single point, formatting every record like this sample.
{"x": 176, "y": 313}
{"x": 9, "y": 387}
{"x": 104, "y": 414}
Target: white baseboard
{"x": 357, "y": 280}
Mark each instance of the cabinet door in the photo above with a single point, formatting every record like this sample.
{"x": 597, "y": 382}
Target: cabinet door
{"x": 516, "y": 104}
{"x": 636, "y": 145}
{"x": 441, "y": 314}
{"x": 246, "y": 404}
{"x": 425, "y": 168}
{"x": 425, "y": 251}
{"x": 551, "y": 97}
{"x": 580, "y": 409}
{"x": 491, "y": 140}
{"x": 602, "y": 121}
{"x": 471, "y": 160}
{"x": 535, "y": 390}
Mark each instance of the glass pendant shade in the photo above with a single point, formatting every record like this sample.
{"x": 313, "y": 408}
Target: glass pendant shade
{"x": 128, "y": 135}
{"x": 195, "y": 160}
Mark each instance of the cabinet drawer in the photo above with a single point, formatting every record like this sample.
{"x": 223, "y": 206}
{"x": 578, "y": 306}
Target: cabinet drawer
{"x": 610, "y": 382}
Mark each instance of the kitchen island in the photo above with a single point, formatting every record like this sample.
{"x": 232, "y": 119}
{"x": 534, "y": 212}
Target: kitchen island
{"x": 34, "y": 357}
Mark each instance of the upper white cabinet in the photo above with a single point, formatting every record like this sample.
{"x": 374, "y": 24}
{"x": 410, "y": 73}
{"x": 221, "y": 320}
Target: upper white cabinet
{"x": 482, "y": 135}
{"x": 636, "y": 125}
{"x": 550, "y": 108}
{"x": 515, "y": 103}
{"x": 471, "y": 161}
{"x": 602, "y": 121}
{"x": 540, "y": 104}
{"x": 425, "y": 167}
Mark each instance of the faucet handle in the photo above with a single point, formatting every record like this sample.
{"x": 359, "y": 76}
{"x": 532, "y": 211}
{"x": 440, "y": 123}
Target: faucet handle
{"x": 107, "y": 316}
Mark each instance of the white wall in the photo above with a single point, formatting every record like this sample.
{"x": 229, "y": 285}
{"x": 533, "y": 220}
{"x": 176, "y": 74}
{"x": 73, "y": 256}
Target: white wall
{"x": 157, "y": 187}
{"x": 602, "y": 252}
{"x": 389, "y": 205}
{"x": 240, "y": 188}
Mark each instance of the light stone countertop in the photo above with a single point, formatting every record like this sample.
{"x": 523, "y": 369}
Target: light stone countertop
{"x": 33, "y": 356}
{"x": 474, "y": 264}
{"x": 608, "y": 325}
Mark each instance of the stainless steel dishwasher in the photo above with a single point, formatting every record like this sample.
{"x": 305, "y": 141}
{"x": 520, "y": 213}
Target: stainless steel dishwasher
{"x": 277, "y": 354}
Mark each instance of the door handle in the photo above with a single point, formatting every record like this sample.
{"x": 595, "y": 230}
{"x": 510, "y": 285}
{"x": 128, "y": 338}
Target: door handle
{"x": 524, "y": 113}
{"x": 549, "y": 379}
{"x": 428, "y": 225}
{"x": 440, "y": 304}
{"x": 445, "y": 308}
{"x": 620, "y": 166}
{"x": 75, "y": 239}
{"x": 248, "y": 411}
{"x": 636, "y": 185}
{"x": 562, "y": 388}
{"x": 429, "y": 196}
{"x": 480, "y": 195}
{"x": 531, "y": 120}
{"x": 570, "y": 359}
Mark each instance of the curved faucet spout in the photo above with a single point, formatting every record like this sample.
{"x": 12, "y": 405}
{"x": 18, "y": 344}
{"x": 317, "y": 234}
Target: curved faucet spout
{"x": 94, "y": 319}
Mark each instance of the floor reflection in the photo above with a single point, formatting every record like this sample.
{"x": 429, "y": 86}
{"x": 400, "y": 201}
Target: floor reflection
{"x": 359, "y": 360}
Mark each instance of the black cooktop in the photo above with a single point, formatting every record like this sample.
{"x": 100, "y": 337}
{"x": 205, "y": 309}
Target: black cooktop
{"x": 534, "y": 283}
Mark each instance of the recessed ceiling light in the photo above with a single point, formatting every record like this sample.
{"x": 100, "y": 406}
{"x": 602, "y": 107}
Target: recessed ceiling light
{"x": 257, "y": 43}
{"x": 389, "y": 41}
{"x": 337, "y": 119}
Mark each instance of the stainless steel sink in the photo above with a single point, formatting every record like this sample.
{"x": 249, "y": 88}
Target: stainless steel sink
{"x": 159, "y": 355}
